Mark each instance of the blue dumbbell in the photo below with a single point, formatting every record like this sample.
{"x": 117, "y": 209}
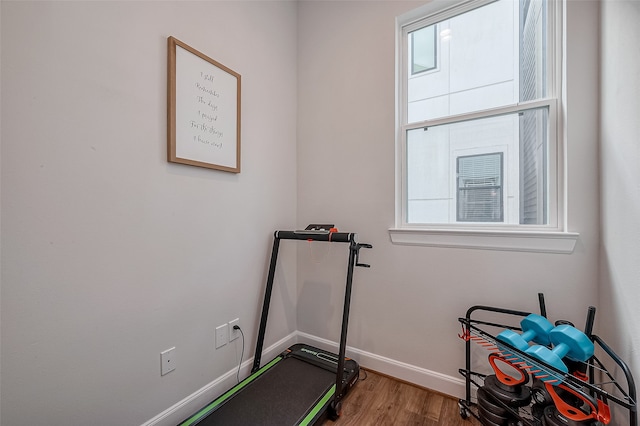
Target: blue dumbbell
{"x": 567, "y": 342}
{"x": 535, "y": 328}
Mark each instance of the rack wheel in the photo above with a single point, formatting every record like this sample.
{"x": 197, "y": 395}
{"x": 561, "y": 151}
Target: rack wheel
{"x": 464, "y": 411}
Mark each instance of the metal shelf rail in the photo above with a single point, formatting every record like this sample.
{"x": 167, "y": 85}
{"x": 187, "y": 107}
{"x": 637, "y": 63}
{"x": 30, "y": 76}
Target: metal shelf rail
{"x": 476, "y": 331}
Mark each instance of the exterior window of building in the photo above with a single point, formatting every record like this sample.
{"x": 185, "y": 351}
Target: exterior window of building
{"x": 487, "y": 105}
{"x": 423, "y": 49}
{"x": 479, "y": 188}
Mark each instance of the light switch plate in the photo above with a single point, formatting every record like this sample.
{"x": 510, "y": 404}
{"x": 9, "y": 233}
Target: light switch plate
{"x": 167, "y": 361}
{"x": 222, "y": 335}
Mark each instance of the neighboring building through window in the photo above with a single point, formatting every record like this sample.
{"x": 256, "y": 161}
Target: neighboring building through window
{"x": 423, "y": 49}
{"x": 488, "y": 102}
{"x": 479, "y": 188}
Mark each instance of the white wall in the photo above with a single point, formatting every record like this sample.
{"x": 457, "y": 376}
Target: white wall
{"x": 406, "y": 307}
{"x": 620, "y": 171}
{"x": 109, "y": 253}
{"x": 0, "y": 219}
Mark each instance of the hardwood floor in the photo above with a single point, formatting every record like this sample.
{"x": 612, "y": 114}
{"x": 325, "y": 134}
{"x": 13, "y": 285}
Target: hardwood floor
{"x": 381, "y": 400}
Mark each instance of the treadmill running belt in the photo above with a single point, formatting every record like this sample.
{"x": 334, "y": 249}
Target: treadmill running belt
{"x": 280, "y": 396}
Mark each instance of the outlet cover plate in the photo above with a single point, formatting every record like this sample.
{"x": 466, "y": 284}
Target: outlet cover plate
{"x": 234, "y": 334}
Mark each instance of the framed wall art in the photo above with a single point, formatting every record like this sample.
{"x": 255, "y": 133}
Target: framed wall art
{"x": 203, "y": 112}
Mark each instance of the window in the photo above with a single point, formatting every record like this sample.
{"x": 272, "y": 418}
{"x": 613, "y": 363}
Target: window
{"x": 423, "y": 49}
{"x": 477, "y": 133}
{"x": 480, "y": 188}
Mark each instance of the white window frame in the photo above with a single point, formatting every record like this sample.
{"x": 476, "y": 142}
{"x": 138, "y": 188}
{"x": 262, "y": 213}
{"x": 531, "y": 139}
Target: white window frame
{"x": 552, "y": 237}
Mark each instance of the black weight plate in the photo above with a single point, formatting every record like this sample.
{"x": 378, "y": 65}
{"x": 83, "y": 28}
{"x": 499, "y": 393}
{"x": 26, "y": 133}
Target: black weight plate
{"x": 537, "y": 411}
{"x": 508, "y": 388}
{"x": 494, "y": 418}
{"x": 489, "y": 403}
{"x": 487, "y": 422}
{"x": 512, "y": 399}
{"x": 539, "y": 393}
{"x": 552, "y": 417}
{"x": 541, "y": 396}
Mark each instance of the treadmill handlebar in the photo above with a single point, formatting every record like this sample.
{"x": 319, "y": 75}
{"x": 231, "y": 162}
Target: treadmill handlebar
{"x": 335, "y": 237}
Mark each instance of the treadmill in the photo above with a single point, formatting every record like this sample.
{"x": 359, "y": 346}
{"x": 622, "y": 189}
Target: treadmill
{"x": 304, "y": 384}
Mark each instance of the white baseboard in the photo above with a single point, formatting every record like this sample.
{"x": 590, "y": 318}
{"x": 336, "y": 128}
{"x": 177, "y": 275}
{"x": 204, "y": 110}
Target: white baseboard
{"x": 192, "y": 403}
{"x": 433, "y": 380}
{"x": 409, "y": 373}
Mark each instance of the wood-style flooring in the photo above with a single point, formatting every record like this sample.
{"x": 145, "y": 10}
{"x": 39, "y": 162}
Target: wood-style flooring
{"x": 381, "y": 400}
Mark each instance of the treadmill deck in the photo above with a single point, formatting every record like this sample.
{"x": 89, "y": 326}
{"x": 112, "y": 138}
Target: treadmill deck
{"x": 293, "y": 389}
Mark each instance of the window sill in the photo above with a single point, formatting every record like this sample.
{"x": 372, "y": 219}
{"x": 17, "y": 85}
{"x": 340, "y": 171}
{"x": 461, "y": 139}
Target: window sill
{"x": 528, "y": 241}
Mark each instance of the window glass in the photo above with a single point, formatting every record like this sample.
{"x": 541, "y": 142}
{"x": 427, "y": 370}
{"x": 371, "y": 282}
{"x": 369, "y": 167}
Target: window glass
{"x": 436, "y": 174}
{"x": 491, "y": 57}
{"x": 486, "y": 104}
{"x": 423, "y": 49}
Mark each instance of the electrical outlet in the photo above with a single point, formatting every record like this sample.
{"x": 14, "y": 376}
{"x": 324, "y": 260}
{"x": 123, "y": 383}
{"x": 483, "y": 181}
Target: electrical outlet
{"x": 234, "y": 334}
{"x": 167, "y": 361}
{"x": 222, "y": 335}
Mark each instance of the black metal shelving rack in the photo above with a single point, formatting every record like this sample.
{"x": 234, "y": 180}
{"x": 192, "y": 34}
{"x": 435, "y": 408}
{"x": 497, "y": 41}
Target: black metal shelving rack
{"x": 474, "y": 329}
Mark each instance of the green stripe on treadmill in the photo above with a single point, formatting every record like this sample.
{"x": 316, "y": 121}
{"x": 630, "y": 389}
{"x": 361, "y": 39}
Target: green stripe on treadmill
{"x": 313, "y": 413}
{"x": 209, "y": 408}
